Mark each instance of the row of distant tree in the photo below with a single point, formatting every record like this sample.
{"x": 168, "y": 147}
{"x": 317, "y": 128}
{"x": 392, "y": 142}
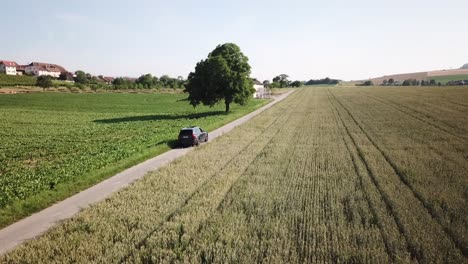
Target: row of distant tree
{"x": 409, "y": 82}
{"x": 145, "y": 81}
{"x": 148, "y": 81}
{"x": 282, "y": 81}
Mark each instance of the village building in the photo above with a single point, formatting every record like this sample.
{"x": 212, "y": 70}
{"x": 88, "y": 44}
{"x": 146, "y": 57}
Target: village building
{"x": 107, "y": 79}
{"x": 38, "y": 69}
{"x": 260, "y": 91}
{"x": 21, "y": 69}
{"x": 8, "y": 67}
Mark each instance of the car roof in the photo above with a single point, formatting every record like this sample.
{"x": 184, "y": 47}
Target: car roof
{"x": 189, "y": 128}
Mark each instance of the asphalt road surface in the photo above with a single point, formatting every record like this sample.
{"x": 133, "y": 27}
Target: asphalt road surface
{"x": 34, "y": 225}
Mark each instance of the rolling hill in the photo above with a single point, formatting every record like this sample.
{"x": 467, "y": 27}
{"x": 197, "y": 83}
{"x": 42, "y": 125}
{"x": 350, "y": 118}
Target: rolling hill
{"x": 442, "y": 76}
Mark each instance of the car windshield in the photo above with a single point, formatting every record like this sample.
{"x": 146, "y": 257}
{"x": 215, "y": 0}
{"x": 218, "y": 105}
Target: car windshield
{"x": 186, "y": 132}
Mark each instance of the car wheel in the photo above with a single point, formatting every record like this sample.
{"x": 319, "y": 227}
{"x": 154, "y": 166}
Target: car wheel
{"x": 206, "y": 138}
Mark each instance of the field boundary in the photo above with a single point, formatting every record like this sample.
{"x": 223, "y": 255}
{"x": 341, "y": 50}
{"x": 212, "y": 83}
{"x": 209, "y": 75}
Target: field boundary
{"x": 36, "y": 224}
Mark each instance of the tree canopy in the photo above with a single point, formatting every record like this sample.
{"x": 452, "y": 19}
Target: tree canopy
{"x": 322, "y": 81}
{"x": 281, "y": 81}
{"x": 44, "y": 81}
{"x": 223, "y": 75}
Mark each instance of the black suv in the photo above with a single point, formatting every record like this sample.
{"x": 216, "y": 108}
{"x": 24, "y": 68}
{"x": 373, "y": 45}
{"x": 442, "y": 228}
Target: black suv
{"x": 192, "y": 136}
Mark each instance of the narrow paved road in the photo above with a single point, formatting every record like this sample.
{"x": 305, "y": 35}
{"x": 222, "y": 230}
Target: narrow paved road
{"x": 34, "y": 225}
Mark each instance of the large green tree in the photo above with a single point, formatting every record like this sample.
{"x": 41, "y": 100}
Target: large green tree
{"x": 224, "y": 75}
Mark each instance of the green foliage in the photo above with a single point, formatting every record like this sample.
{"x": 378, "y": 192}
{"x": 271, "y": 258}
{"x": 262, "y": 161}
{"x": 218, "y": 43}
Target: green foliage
{"x": 44, "y": 81}
{"x": 224, "y": 75}
{"x": 81, "y": 77}
{"x": 322, "y": 81}
{"x": 445, "y": 79}
{"x": 281, "y": 81}
{"x": 66, "y": 76}
{"x": 296, "y": 84}
{"x": 275, "y": 85}
{"x": 147, "y": 81}
{"x": 84, "y": 78}
{"x": 12, "y": 80}
{"x": 60, "y": 138}
{"x": 366, "y": 83}
{"x": 410, "y": 82}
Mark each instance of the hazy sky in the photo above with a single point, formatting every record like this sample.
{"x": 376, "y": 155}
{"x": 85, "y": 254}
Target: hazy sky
{"x": 304, "y": 39}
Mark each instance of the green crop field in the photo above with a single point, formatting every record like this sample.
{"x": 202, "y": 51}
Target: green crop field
{"x": 329, "y": 175}
{"x": 12, "y": 80}
{"x": 448, "y": 78}
{"x": 53, "y": 145}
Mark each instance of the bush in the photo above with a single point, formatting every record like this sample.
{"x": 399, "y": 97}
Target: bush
{"x": 366, "y": 83}
{"x": 44, "y": 81}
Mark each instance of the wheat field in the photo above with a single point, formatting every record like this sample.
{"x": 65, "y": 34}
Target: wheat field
{"x": 329, "y": 175}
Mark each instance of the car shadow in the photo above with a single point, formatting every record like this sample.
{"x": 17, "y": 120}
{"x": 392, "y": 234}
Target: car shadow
{"x": 173, "y": 144}
{"x": 157, "y": 117}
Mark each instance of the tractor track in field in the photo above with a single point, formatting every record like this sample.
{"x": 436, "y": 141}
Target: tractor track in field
{"x": 374, "y": 181}
{"x": 403, "y": 178}
{"x": 426, "y": 115}
{"x": 205, "y": 183}
{"x": 428, "y": 96}
{"x": 242, "y": 175}
{"x": 391, "y": 105}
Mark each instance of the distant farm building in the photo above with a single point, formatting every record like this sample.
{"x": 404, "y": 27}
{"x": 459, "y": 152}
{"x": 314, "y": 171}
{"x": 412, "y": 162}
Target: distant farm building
{"x": 107, "y": 79}
{"x": 260, "y": 90}
{"x": 38, "y": 69}
{"x": 8, "y": 67}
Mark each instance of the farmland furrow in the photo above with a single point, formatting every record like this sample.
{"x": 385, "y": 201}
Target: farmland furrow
{"x": 426, "y": 121}
{"x": 226, "y": 200}
{"x": 293, "y": 213}
{"x": 380, "y": 219}
{"x": 199, "y": 207}
{"x": 429, "y": 95}
{"x": 326, "y": 221}
{"x": 426, "y": 115}
{"x": 417, "y": 251}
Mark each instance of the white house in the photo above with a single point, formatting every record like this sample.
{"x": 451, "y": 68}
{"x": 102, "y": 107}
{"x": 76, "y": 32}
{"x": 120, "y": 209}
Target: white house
{"x": 38, "y": 69}
{"x": 260, "y": 91}
{"x": 8, "y": 67}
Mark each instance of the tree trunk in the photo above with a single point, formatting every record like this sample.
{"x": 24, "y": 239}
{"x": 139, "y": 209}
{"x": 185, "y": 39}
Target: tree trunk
{"x": 227, "y": 107}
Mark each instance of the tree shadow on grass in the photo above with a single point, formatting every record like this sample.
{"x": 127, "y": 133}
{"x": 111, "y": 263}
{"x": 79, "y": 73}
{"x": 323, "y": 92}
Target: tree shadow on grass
{"x": 183, "y": 100}
{"x": 158, "y": 117}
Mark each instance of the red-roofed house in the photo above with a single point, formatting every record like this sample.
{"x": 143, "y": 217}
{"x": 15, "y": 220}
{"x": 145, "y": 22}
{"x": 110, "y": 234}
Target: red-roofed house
{"x": 107, "y": 79}
{"x": 38, "y": 69}
{"x": 8, "y": 67}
